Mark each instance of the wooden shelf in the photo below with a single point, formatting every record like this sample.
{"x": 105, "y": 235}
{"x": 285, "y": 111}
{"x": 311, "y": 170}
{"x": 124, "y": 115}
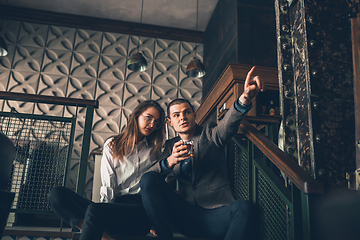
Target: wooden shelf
{"x": 230, "y": 86}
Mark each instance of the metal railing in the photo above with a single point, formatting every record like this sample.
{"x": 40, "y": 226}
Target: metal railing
{"x": 43, "y": 149}
{"x": 282, "y": 191}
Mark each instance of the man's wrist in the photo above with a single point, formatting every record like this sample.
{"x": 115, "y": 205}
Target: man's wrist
{"x": 244, "y": 101}
{"x": 166, "y": 163}
{"x": 244, "y": 106}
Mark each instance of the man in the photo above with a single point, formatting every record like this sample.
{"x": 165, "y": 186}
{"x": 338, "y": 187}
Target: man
{"x": 205, "y": 206}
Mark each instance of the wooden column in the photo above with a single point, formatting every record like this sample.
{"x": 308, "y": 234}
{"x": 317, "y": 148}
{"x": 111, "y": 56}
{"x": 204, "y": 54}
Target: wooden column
{"x": 355, "y": 26}
{"x": 239, "y": 31}
{"x": 316, "y": 87}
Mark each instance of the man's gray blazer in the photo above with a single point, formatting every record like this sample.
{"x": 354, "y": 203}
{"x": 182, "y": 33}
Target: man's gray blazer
{"x": 210, "y": 186}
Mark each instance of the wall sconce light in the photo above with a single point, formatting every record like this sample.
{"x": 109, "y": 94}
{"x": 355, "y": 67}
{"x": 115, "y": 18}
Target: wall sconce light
{"x": 195, "y": 68}
{"x": 137, "y": 62}
{"x": 3, "y": 47}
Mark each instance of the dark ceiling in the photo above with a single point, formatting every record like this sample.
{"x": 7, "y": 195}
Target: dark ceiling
{"x": 167, "y": 19}
{"x": 167, "y": 13}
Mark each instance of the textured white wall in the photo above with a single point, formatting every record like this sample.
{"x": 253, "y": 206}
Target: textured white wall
{"x": 77, "y": 63}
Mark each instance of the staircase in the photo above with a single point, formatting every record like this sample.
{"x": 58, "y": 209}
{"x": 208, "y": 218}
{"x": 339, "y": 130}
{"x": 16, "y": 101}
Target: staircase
{"x": 37, "y": 233}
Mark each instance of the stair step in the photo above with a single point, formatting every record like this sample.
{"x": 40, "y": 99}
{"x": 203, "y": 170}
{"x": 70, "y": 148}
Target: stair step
{"x": 177, "y": 236}
{"x": 16, "y": 233}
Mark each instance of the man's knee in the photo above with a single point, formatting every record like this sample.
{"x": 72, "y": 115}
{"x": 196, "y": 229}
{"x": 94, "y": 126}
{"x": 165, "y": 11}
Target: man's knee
{"x": 149, "y": 179}
{"x": 242, "y": 207}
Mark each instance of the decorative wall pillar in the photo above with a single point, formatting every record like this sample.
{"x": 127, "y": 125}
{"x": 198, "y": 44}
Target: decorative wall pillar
{"x": 316, "y": 87}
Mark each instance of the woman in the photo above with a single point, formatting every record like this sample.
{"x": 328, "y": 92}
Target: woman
{"x": 126, "y": 157}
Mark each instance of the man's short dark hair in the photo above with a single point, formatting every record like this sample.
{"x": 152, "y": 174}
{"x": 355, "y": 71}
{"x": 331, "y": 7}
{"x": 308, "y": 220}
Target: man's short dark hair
{"x": 178, "y": 101}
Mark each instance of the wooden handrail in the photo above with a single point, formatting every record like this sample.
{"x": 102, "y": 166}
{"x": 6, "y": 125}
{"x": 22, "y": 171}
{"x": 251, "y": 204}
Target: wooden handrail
{"x": 302, "y": 179}
{"x": 48, "y": 99}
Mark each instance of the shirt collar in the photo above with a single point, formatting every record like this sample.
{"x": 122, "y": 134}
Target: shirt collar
{"x": 144, "y": 141}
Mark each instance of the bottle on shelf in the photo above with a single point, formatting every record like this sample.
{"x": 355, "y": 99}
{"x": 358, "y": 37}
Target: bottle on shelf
{"x": 271, "y": 109}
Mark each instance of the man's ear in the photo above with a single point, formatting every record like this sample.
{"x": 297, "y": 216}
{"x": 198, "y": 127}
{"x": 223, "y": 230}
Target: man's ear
{"x": 169, "y": 121}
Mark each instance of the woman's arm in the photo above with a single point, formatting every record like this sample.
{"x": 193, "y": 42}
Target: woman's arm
{"x": 159, "y": 166}
{"x": 108, "y": 176}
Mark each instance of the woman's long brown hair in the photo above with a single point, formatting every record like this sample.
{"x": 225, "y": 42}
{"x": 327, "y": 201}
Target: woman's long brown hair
{"x": 124, "y": 143}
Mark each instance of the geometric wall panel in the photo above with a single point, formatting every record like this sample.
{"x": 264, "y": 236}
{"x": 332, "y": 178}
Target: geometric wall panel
{"x": 78, "y": 63}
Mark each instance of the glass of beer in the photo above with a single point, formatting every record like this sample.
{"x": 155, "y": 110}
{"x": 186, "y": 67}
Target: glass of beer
{"x": 190, "y": 147}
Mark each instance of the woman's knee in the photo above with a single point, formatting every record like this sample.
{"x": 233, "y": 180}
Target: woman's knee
{"x": 95, "y": 210}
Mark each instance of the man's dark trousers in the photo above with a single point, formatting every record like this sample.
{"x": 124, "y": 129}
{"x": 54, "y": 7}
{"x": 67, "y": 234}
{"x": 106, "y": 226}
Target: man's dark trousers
{"x": 164, "y": 207}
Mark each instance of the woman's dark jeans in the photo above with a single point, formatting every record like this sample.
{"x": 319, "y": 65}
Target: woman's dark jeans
{"x": 124, "y": 217}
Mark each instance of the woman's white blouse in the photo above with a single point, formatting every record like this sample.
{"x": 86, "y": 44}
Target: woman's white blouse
{"x": 123, "y": 177}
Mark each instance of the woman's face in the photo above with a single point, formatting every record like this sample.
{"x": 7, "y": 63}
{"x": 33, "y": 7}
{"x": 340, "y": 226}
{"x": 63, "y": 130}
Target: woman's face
{"x": 148, "y": 122}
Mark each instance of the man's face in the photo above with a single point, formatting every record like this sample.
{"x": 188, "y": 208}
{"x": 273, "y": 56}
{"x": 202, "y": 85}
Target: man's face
{"x": 182, "y": 118}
